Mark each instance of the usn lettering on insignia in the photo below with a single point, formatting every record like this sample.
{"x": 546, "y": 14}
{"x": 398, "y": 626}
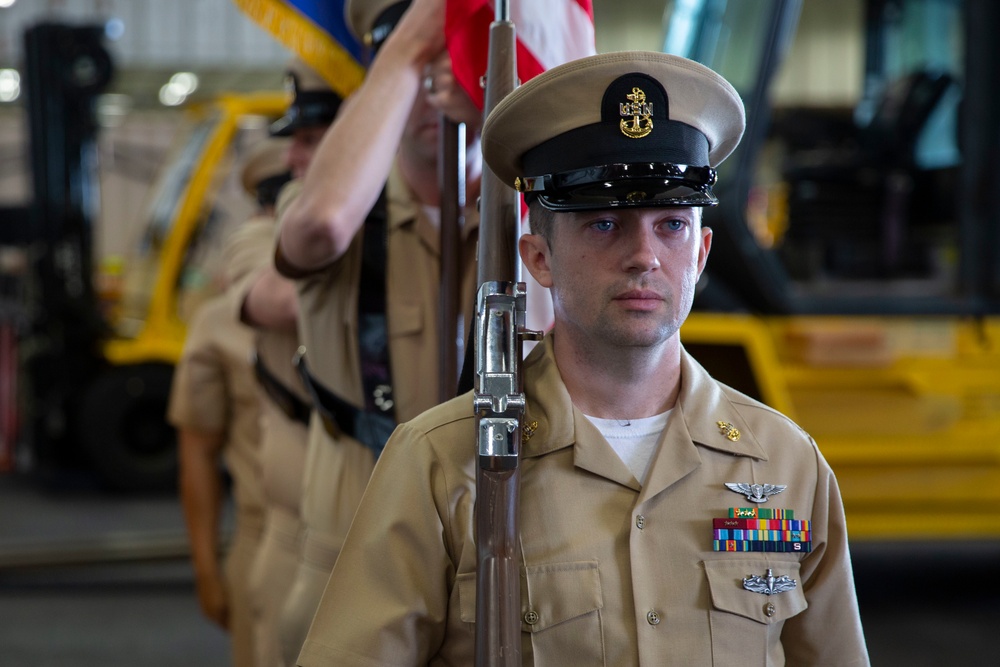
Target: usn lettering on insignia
{"x": 637, "y": 115}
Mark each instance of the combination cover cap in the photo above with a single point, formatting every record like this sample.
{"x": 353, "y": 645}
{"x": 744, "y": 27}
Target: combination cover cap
{"x": 371, "y": 21}
{"x": 625, "y": 129}
{"x": 313, "y": 101}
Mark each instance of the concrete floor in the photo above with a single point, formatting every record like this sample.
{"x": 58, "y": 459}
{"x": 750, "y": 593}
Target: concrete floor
{"x": 88, "y": 579}
{"x": 921, "y": 604}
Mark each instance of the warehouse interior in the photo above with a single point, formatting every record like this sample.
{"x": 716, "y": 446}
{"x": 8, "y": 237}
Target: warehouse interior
{"x": 886, "y": 348}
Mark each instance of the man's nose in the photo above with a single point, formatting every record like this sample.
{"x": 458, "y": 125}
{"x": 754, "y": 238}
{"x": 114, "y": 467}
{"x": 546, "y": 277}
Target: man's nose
{"x": 640, "y": 252}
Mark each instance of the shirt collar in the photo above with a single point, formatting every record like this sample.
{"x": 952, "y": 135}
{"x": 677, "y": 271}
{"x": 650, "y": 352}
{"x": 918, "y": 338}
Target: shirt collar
{"x": 712, "y": 419}
{"x": 702, "y": 400}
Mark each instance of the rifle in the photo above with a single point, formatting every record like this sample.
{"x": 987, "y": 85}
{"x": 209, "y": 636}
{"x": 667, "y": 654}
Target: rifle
{"x": 498, "y": 399}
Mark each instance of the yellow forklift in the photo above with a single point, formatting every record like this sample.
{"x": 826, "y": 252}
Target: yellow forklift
{"x": 854, "y": 280}
{"x": 94, "y": 375}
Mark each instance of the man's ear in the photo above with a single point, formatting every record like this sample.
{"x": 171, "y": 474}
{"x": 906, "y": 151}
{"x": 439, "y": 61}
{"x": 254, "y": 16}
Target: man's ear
{"x": 534, "y": 251}
{"x": 704, "y": 248}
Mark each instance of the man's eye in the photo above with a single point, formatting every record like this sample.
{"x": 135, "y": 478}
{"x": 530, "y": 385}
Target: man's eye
{"x": 603, "y": 225}
{"x": 674, "y": 225}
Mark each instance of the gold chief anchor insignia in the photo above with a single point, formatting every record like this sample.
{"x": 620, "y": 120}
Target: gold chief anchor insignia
{"x": 528, "y": 430}
{"x": 637, "y": 119}
{"x": 728, "y": 430}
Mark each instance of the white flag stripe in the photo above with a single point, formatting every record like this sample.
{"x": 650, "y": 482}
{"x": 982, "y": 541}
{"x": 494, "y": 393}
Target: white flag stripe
{"x": 555, "y": 31}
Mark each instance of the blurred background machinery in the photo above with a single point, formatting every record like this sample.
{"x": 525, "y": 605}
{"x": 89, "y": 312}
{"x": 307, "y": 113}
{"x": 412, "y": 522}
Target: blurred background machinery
{"x": 853, "y": 280}
{"x": 96, "y": 349}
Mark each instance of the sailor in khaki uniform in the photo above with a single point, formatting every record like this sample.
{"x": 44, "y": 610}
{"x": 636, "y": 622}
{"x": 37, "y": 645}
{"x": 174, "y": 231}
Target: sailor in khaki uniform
{"x": 665, "y": 519}
{"x": 369, "y": 311}
{"x": 267, "y": 302}
{"x": 214, "y": 404}
{"x": 215, "y": 409}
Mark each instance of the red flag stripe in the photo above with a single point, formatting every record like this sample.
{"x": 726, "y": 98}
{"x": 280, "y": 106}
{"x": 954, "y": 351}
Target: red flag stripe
{"x": 548, "y": 33}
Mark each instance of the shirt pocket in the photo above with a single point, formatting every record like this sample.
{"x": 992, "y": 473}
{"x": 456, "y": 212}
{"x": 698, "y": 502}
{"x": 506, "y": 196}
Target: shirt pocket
{"x": 407, "y": 319}
{"x": 561, "y": 607}
{"x": 745, "y": 625}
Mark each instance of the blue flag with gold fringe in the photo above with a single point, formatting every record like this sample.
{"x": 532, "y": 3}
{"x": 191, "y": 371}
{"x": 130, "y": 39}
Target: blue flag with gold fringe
{"x": 317, "y": 32}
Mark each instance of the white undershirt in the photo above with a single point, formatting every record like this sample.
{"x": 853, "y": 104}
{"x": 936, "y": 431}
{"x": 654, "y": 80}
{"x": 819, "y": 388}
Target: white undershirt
{"x": 634, "y": 440}
{"x": 433, "y": 214}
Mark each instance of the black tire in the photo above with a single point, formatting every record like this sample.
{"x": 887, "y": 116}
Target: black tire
{"x": 123, "y": 429}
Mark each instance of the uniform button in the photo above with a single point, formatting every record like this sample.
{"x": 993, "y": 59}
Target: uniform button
{"x": 531, "y": 617}
{"x": 769, "y": 610}
{"x": 653, "y": 618}
{"x": 640, "y": 521}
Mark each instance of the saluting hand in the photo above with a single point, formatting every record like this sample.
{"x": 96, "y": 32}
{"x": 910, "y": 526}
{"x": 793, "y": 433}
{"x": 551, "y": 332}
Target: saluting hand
{"x": 446, "y": 95}
{"x": 422, "y": 26}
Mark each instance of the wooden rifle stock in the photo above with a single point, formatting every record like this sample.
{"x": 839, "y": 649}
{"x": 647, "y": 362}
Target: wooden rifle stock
{"x": 498, "y": 422}
{"x": 451, "y": 174}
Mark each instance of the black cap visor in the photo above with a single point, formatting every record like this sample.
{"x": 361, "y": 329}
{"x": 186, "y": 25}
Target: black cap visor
{"x": 310, "y": 109}
{"x": 642, "y": 185}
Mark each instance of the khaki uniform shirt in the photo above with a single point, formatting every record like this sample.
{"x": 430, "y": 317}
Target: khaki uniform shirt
{"x": 213, "y": 392}
{"x": 249, "y": 250}
{"x": 614, "y": 573}
{"x": 328, "y": 306}
{"x": 337, "y": 469}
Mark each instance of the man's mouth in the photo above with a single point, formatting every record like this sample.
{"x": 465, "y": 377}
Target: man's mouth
{"x": 642, "y": 299}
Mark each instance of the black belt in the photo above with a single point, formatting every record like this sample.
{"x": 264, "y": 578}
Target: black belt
{"x": 370, "y": 428}
{"x": 287, "y": 401}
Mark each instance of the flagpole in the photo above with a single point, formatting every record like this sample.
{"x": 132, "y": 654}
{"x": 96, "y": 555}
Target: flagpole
{"x": 451, "y": 173}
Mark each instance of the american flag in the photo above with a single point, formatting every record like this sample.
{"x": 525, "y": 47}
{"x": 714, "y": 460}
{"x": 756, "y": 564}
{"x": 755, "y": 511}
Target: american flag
{"x": 549, "y": 33}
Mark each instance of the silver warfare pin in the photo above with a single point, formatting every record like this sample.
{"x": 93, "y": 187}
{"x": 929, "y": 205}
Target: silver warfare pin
{"x": 756, "y": 493}
{"x": 769, "y": 584}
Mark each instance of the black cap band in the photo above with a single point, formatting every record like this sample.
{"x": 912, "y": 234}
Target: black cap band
{"x": 384, "y": 25}
{"x": 673, "y": 142}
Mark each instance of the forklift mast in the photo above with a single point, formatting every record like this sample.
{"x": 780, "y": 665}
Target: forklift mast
{"x": 66, "y": 68}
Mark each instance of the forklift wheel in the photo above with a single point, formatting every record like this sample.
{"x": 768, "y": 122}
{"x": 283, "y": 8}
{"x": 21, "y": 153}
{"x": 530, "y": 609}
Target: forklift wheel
{"x": 123, "y": 428}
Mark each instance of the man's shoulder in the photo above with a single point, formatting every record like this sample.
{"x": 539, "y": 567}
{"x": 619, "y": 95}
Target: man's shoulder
{"x": 759, "y": 411}
{"x": 445, "y": 420}
{"x": 444, "y": 434}
{"x": 770, "y": 428}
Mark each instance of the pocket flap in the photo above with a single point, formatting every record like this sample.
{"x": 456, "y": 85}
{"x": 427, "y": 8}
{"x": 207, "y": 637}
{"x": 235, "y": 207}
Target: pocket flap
{"x": 556, "y": 593}
{"x": 559, "y": 592}
{"x": 407, "y": 319}
{"x": 725, "y": 580}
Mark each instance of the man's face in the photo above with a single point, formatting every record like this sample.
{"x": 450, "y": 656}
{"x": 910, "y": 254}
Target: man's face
{"x": 441, "y": 94}
{"x": 621, "y": 278}
{"x": 305, "y": 140}
{"x": 420, "y": 135}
